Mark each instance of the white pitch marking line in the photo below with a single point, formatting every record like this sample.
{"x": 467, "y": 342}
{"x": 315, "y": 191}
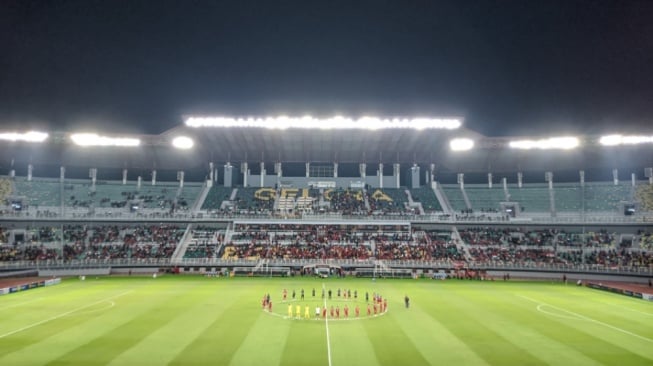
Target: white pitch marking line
{"x": 326, "y": 322}
{"x": 540, "y": 308}
{"x": 63, "y": 314}
{"x": 582, "y": 317}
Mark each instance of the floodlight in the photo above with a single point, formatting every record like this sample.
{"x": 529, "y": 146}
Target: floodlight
{"x": 461, "y": 144}
{"x": 183, "y": 142}
{"x": 337, "y": 122}
{"x": 30, "y": 136}
{"x": 614, "y": 140}
{"x": 92, "y": 139}
{"x": 560, "y": 143}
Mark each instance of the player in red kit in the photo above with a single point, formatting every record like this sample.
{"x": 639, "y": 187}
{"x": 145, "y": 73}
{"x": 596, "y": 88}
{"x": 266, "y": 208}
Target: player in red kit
{"x": 338, "y": 312}
{"x": 285, "y": 294}
{"x": 332, "y": 311}
{"x": 369, "y": 310}
{"x": 346, "y": 311}
{"x": 324, "y": 312}
{"x": 358, "y": 311}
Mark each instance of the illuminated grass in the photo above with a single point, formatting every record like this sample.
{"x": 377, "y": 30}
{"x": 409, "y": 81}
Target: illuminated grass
{"x": 219, "y": 321}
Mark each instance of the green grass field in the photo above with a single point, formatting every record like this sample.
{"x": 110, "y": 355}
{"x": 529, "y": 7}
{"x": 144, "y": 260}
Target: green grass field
{"x": 219, "y": 321}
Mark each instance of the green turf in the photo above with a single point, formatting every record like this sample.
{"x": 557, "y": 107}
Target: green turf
{"x": 219, "y": 321}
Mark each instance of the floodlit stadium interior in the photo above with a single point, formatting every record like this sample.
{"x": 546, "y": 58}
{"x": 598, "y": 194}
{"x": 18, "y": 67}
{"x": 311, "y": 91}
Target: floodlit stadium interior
{"x": 369, "y": 195}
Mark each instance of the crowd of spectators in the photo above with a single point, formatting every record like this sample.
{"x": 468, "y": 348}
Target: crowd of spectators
{"x": 417, "y": 251}
{"x": 204, "y": 242}
{"x": 27, "y": 253}
{"x": 77, "y": 242}
{"x": 539, "y": 237}
{"x": 645, "y": 240}
{"x": 599, "y": 238}
{"x": 608, "y": 257}
{"x": 514, "y": 255}
{"x": 314, "y": 250}
{"x": 347, "y": 202}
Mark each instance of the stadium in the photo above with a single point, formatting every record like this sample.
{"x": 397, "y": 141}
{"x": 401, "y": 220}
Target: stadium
{"x": 329, "y": 203}
{"x": 426, "y": 182}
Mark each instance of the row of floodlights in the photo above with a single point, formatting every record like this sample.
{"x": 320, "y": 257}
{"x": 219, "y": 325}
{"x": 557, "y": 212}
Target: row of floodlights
{"x": 92, "y": 139}
{"x": 333, "y": 123}
{"x": 555, "y": 143}
{"x": 552, "y": 143}
{"x": 456, "y": 144}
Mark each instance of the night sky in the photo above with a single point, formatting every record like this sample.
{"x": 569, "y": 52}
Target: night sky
{"x": 507, "y": 67}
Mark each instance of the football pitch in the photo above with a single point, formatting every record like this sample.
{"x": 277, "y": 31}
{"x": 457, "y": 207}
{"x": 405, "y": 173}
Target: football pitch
{"x": 220, "y": 321}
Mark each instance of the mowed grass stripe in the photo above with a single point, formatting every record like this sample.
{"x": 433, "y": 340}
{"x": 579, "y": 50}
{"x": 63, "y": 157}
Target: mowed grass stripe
{"x": 216, "y": 344}
{"x": 47, "y": 302}
{"x": 265, "y": 342}
{"x": 305, "y": 344}
{"x": 513, "y": 322}
{"x": 613, "y": 309}
{"x": 604, "y": 306}
{"x": 164, "y": 344}
{"x": 422, "y": 323}
{"x": 459, "y": 316}
{"x": 391, "y": 344}
{"x": 39, "y": 329}
{"x": 41, "y": 348}
{"x": 585, "y": 337}
{"x": 602, "y": 343}
{"x": 219, "y": 321}
{"x": 145, "y": 316}
{"x": 350, "y": 344}
{"x": 42, "y": 343}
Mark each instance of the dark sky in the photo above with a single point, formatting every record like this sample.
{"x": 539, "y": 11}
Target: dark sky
{"x": 507, "y": 67}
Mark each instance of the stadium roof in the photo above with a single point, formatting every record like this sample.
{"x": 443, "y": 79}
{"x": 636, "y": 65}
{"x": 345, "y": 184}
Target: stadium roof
{"x": 385, "y": 145}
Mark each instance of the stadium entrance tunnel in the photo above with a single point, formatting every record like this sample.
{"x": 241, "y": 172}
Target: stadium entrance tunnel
{"x": 322, "y": 270}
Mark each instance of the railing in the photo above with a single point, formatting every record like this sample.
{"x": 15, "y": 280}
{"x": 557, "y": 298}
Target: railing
{"x": 165, "y": 215}
{"x": 350, "y": 263}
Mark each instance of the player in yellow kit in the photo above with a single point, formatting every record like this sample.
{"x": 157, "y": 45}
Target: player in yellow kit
{"x": 299, "y": 311}
{"x": 307, "y": 312}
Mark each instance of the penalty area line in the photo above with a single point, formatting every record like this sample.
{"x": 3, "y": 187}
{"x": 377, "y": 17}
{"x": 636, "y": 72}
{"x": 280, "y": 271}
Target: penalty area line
{"x": 62, "y": 315}
{"x": 326, "y": 322}
{"x": 583, "y": 317}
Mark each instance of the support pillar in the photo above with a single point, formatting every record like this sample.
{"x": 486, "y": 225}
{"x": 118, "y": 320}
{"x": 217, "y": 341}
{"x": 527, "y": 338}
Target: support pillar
{"x": 396, "y": 173}
{"x": 245, "y": 168}
{"x": 228, "y": 171}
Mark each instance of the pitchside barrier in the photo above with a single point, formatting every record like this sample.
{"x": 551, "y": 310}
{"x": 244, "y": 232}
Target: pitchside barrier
{"x": 29, "y": 286}
{"x": 75, "y": 272}
{"x": 616, "y": 290}
{"x": 262, "y": 272}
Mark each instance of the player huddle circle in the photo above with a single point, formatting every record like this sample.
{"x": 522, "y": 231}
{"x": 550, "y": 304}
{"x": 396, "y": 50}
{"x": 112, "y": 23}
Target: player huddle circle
{"x": 331, "y": 304}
